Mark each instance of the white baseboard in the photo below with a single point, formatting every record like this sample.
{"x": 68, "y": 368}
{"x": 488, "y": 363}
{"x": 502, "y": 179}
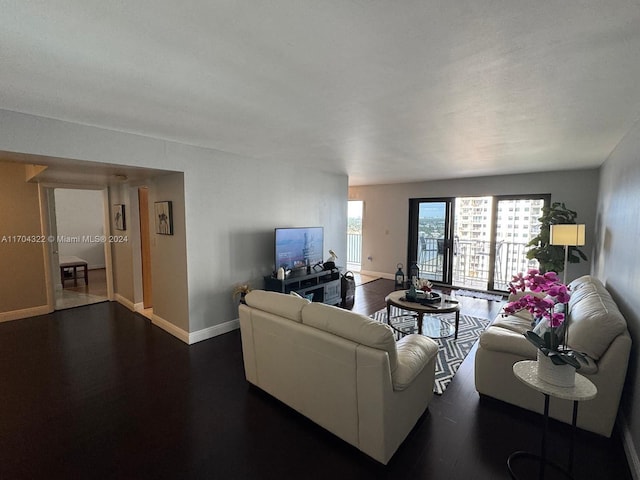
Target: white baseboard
{"x": 125, "y": 302}
{"x": 169, "y": 327}
{"x": 629, "y": 446}
{"x": 214, "y": 331}
{"x": 370, "y": 273}
{"x": 179, "y": 333}
{"x": 198, "y": 336}
{"x": 24, "y": 313}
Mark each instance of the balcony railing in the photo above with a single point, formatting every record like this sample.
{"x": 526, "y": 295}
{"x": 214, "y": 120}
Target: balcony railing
{"x": 470, "y": 260}
{"x": 354, "y": 249}
{"x": 471, "y": 265}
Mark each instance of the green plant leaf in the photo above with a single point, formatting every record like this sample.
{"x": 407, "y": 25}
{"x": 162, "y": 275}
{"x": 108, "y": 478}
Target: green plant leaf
{"x": 535, "y": 339}
{"x": 551, "y": 257}
{"x": 559, "y": 358}
{"x": 578, "y": 356}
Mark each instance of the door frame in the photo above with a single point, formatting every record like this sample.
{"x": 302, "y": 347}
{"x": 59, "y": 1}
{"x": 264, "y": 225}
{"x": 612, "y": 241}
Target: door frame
{"x": 450, "y": 215}
{"x": 412, "y": 245}
{"x": 47, "y": 203}
{"x": 145, "y": 247}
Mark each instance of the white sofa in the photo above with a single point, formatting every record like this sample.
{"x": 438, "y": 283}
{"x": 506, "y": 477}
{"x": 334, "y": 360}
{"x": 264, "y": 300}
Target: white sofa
{"x": 342, "y": 370}
{"x": 596, "y": 328}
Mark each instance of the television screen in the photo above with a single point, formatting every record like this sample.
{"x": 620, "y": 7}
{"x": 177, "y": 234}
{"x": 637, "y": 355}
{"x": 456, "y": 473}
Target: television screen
{"x": 298, "y": 247}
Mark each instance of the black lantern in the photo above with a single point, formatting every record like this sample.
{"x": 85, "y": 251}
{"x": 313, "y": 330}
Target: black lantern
{"x": 414, "y": 272}
{"x": 399, "y": 277}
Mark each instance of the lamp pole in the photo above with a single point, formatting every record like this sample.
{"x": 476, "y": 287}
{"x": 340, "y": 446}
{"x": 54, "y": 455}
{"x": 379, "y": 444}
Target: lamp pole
{"x": 566, "y": 235}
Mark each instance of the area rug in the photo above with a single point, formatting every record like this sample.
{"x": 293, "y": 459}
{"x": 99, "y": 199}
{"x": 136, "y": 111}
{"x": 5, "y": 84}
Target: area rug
{"x": 483, "y": 295}
{"x": 451, "y": 352}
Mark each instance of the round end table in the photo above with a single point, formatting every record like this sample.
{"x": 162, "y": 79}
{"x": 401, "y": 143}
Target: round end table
{"x": 527, "y": 372}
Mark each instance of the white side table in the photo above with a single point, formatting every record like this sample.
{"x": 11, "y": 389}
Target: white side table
{"x": 527, "y": 372}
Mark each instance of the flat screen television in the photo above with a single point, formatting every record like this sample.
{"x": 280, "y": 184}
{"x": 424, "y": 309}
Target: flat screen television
{"x": 298, "y": 249}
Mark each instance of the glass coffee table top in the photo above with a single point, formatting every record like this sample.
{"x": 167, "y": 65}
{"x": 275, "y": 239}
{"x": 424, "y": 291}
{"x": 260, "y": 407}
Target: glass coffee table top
{"x": 432, "y": 326}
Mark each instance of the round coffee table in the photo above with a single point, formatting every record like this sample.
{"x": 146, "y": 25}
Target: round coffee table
{"x": 434, "y": 327}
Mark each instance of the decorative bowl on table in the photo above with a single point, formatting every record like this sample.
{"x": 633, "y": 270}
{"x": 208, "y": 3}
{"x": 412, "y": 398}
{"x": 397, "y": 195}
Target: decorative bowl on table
{"x": 425, "y": 298}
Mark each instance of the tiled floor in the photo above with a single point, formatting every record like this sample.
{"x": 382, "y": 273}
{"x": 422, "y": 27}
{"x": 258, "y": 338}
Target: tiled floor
{"x": 71, "y": 299}
{"x": 94, "y": 292}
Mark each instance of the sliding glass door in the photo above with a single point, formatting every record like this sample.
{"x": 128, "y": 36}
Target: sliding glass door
{"x": 474, "y": 242}
{"x": 430, "y": 237}
{"x": 516, "y": 224}
{"x": 473, "y": 225}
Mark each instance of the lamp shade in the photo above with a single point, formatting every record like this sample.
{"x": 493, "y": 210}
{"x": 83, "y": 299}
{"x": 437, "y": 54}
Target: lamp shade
{"x": 570, "y": 234}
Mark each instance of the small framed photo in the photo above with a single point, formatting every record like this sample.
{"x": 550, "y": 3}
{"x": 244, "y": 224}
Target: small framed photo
{"x": 119, "y": 219}
{"x": 164, "y": 218}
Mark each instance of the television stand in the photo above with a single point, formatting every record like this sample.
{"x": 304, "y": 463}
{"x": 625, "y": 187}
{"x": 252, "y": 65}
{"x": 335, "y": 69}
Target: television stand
{"x": 323, "y": 286}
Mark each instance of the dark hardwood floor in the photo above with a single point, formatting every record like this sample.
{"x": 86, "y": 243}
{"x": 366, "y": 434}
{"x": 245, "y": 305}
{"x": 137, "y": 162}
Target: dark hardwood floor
{"x": 98, "y": 392}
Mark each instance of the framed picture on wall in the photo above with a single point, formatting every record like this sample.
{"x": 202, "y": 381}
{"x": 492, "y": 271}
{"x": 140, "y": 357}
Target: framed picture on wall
{"x": 164, "y": 218}
{"x": 119, "y": 218}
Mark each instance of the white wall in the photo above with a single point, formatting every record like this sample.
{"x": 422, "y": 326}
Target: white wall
{"x": 122, "y": 252}
{"x": 232, "y": 204}
{"x": 617, "y": 262}
{"x": 233, "y": 207}
{"x": 386, "y": 209}
{"x": 80, "y": 213}
{"x": 169, "y": 254}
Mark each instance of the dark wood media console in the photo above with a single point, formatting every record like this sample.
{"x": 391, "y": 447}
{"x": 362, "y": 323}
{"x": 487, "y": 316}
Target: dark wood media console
{"x": 324, "y": 285}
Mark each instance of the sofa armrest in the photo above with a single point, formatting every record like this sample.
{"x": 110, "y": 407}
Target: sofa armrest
{"x": 385, "y": 415}
{"x": 502, "y": 340}
{"x": 414, "y": 352}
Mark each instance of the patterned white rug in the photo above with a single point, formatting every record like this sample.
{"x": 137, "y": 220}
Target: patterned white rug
{"x": 451, "y": 352}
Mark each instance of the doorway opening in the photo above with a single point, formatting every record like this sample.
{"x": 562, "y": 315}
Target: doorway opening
{"x": 77, "y": 226}
{"x": 354, "y": 235}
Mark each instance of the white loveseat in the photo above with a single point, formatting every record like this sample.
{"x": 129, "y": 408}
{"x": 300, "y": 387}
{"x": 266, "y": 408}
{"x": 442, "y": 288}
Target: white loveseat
{"x": 342, "y": 370}
{"x": 596, "y": 328}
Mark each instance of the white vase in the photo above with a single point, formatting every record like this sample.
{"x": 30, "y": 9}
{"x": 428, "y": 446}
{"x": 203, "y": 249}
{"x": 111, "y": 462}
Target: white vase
{"x": 558, "y": 375}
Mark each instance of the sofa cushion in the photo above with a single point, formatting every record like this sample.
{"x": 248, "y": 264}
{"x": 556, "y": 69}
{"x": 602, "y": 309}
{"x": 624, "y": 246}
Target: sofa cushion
{"x": 594, "y": 320}
{"x": 352, "y": 326}
{"x": 288, "y": 306}
{"x": 580, "y": 282}
{"x": 579, "y": 291}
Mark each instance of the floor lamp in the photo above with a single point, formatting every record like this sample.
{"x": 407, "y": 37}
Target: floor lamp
{"x": 567, "y": 235}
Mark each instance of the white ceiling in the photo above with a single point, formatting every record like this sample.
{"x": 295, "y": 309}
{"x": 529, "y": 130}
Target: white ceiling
{"x": 385, "y": 91}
